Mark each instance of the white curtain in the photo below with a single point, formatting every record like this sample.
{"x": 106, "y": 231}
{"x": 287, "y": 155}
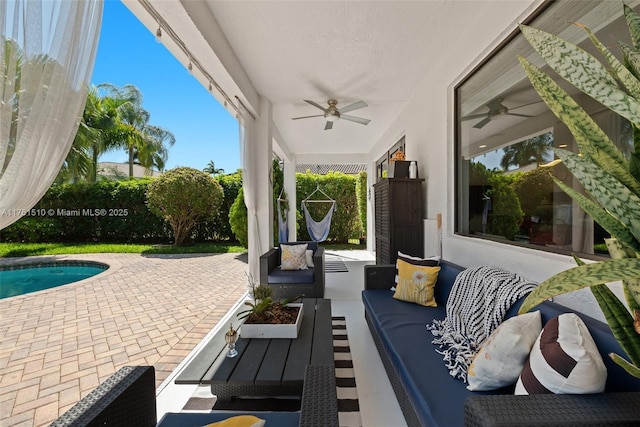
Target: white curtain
{"x": 248, "y": 187}
{"x": 47, "y": 51}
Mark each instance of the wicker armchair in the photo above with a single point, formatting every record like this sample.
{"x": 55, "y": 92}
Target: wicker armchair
{"x": 290, "y": 284}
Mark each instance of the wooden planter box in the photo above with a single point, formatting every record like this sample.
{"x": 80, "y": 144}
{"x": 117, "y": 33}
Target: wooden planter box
{"x": 257, "y": 330}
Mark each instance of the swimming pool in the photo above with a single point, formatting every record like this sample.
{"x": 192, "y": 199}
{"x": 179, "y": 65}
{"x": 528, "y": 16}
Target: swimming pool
{"x": 26, "y": 278}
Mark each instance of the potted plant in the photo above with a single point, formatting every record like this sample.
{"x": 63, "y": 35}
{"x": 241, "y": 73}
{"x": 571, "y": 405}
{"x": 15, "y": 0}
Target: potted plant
{"x": 269, "y": 318}
{"x": 612, "y": 182}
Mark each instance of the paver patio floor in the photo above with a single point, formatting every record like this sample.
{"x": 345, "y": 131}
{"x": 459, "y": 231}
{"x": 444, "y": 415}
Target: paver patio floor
{"x": 57, "y": 345}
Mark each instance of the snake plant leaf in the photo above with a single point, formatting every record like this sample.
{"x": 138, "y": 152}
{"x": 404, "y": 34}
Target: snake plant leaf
{"x": 634, "y": 165}
{"x": 631, "y": 287}
{"x": 625, "y": 76}
{"x": 591, "y": 139}
{"x": 631, "y": 58}
{"x": 624, "y": 364}
{"x": 583, "y": 71}
{"x": 633, "y": 22}
{"x": 606, "y": 190}
{"x": 620, "y": 321}
{"x": 582, "y": 277}
{"x": 601, "y": 216}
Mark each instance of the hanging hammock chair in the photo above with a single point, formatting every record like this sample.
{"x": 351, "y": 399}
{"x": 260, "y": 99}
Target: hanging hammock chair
{"x": 318, "y": 230}
{"x": 283, "y": 222}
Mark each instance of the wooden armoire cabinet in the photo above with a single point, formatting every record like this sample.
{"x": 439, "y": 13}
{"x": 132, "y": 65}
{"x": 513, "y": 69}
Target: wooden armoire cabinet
{"x": 399, "y": 211}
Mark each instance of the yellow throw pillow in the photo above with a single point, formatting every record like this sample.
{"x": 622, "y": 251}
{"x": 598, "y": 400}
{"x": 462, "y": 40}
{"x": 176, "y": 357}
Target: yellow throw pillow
{"x": 239, "y": 421}
{"x": 416, "y": 283}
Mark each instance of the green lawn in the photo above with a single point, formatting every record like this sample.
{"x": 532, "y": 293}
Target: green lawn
{"x": 32, "y": 249}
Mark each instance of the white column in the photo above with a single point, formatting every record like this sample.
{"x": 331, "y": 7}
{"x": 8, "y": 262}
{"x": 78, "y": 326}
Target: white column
{"x": 290, "y": 189}
{"x": 260, "y": 155}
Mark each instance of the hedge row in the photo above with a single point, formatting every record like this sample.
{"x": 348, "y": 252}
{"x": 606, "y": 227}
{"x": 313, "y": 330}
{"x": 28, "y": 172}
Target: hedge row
{"x": 116, "y": 211}
{"x": 111, "y": 211}
{"x": 338, "y": 186}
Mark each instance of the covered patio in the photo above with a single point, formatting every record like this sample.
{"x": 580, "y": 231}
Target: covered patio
{"x": 276, "y": 65}
{"x": 263, "y": 60}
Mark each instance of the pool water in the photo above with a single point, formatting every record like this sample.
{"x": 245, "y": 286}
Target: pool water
{"x": 24, "y": 279}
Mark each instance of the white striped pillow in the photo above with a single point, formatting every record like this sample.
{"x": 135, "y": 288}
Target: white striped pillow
{"x": 563, "y": 360}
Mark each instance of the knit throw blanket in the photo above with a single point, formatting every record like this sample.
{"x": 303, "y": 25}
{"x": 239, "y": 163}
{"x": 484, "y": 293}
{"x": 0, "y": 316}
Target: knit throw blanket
{"x": 479, "y": 299}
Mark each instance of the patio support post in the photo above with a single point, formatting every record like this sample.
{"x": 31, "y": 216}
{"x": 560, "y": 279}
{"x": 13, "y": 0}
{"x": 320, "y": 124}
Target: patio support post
{"x": 259, "y": 154}
{"x": 290, "y": 188}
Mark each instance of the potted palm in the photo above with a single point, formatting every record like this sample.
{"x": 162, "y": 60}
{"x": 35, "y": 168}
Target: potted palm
{"x": 611, "y": 181}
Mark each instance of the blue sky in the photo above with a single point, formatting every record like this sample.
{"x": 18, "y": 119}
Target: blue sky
{"x": 129, "y": 54}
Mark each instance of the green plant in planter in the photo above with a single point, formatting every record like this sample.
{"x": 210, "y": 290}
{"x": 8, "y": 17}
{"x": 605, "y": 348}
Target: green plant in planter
{"x": 611, "y": 181}
{"x": 265, "y": 309}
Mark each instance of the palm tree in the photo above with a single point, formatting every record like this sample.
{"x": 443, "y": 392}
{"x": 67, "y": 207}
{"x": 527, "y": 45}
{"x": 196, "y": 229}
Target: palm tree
{"x": 532, "y": 150}
{"x": 212, "y": 170}
{"x": 145, "y": 144}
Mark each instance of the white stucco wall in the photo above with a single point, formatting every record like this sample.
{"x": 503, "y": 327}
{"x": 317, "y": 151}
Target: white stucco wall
{"x": 427, "y": 124}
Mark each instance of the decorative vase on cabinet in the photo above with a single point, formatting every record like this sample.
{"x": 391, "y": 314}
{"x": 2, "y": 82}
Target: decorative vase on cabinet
{"x": 399, "y": 211}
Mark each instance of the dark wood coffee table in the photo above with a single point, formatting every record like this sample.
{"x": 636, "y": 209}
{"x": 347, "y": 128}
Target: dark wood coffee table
{"x": 276, "y": 367}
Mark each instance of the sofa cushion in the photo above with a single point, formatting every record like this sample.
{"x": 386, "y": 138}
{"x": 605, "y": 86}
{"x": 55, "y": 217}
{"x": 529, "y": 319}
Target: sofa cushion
{"x": 293, "y": 257}
{"x": 196, "y": 419}
{"x": 437, "y": 398}
{"x": 415, "y": 283}
{"x": 425, "y": 262}
{"x": 239, "y": 421}
{"x": 278, "y": 275}
{"x": 563, "y": 360}
{"x": 503, "y": 354}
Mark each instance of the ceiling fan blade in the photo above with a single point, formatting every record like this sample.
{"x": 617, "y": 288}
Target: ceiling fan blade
{"x": 355, "y": 119}
{"x": 525, "y": 105}
{"x": 328, "y": 126}
{"x": 475, "y": 116}
{"x": 519, "y": 115}
{"x": 306, "y": 117}
{"x": 482, "y": 123}
{"x": 354, "y": 106}
{"x": 315, "y": 104}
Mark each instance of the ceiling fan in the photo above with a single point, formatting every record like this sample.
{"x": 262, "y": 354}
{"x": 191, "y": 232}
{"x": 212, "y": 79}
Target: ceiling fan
{"x": 332, "y": 113}
{"x": 496, "y": 108}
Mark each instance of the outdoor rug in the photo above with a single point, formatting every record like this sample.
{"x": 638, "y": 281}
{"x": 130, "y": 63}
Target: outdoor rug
{"x": 348, "y": 405}
{"x": 335, "y": 266}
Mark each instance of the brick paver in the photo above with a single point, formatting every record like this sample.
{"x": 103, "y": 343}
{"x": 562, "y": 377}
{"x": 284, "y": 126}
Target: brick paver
{"x": 58, "y": 345}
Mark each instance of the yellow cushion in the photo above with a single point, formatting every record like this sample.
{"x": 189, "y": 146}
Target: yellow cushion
{"x": 239, "y": 421}
{"x": 416, "y": 283}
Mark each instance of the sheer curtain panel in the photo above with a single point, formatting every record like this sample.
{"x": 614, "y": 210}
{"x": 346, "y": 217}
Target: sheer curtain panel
{"x": 248, "y": 187}
{"x": 47, "y": 51}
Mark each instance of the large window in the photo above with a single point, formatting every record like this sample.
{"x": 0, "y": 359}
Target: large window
{"x": 504, "y": 132}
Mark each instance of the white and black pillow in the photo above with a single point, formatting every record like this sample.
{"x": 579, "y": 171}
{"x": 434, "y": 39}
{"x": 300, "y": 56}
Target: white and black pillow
{"x": 422, "y": 262}
{"x": 563, "y": 360}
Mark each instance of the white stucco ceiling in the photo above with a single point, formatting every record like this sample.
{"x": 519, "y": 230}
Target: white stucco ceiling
{"x": 288, "y": 51}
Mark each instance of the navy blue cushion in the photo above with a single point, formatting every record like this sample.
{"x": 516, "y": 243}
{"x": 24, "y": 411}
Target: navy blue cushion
{"x": 291, "y": 276}
{"x": 193, "y": 419}
{"x": 437, "y": 397}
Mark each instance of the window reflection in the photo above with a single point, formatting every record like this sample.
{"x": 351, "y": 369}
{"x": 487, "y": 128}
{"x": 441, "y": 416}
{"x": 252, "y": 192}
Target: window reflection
{"x": 505, "y": 134}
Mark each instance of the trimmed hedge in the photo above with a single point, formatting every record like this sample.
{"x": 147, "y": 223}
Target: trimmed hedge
{"x": 108, "y": 211}
{"x": 340, "y": 187}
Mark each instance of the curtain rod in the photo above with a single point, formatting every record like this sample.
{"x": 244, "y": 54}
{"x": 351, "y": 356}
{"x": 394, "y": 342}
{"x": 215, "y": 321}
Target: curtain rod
{"x": 192, "y": 59}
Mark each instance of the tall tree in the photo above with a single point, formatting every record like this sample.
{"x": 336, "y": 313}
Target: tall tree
{"x": 211, "y": 169}
{"x": 533, "y": 150}
{"x": 145, "y": 144}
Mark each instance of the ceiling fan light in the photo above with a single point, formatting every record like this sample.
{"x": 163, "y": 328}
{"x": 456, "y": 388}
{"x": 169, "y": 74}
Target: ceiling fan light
{"x": 331, "y": 116}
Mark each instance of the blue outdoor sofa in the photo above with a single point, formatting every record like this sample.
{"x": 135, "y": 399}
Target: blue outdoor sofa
{"x": 430, "y": 396}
